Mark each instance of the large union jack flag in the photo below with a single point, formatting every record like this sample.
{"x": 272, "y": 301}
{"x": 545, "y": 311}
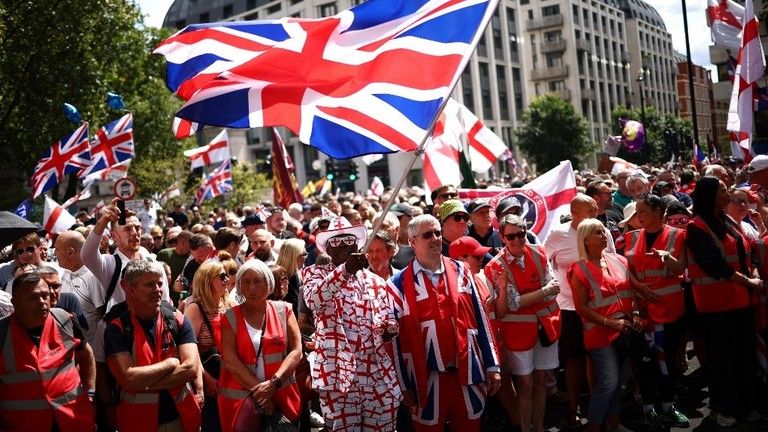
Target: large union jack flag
{"x": 69, "y": 155}
{"x": 218, "y": 182}
{"x": 112, "y": 145}
{"x": 368, "y": 80}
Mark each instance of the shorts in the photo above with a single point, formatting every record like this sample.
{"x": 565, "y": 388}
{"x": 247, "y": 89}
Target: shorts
{"x": 538, "y": 357}
{"x": 572, "y": 335}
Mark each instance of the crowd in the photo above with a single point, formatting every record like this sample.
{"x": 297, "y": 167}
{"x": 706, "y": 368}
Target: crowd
{"x": 229, "y": 321}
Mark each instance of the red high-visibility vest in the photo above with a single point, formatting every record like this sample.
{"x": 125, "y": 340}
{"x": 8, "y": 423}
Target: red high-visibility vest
{"x": 717, "y": 295}
{"x": 651, "y": 270}
{"x": 760, "y": 301}
{"x": 519, "y": 329}
{"x": 273, "y": 351}
{"x": 609, "y": 296}
{"x": 41, "y": 384}
{"x": 138, "y": 410}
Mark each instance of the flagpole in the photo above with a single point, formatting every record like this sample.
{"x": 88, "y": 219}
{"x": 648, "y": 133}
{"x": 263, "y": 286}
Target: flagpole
{"x": 691, "y": 89}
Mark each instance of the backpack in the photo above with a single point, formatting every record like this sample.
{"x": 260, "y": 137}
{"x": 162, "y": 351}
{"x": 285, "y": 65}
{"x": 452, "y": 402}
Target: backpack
{"x": 101, "y": 310}
{"x": 166, "y": 309}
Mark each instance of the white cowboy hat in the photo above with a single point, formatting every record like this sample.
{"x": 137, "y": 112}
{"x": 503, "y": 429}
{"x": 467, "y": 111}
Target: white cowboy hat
{"x": 340, "y": 226}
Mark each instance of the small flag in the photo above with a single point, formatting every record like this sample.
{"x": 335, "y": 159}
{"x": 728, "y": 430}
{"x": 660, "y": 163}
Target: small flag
{"x": 216, "y": 151}
{"x": 55, "y": 218}
{"x": 70, "y": 155}
{"x": 218, "y": 182}
{"x": 377, "y": 187}
{"x": 22, "y": 210}
{"x": 84, "y": 194}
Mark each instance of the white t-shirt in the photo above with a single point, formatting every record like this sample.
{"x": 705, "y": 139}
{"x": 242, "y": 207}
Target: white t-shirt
{"x": 84, "y": 285}
{"x": 255, "y": 336}
{"x": 148, "y": 219}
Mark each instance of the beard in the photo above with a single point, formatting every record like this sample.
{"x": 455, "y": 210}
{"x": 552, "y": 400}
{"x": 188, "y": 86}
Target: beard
{"x": 262, "y": 254}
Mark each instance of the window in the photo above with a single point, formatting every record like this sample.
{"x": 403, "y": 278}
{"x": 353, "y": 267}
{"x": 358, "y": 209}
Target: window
{"x": 250, "y": 4}
{"x": 205, "y": 17}
{"x": 517, "y": 89}
{"x": 485, "y": 90}
{"x": 575, "y": 11}
{"x": 482, "y": 47}
{"x": 295, "y": 2}
{"x": 327, "y": 9}
{"x": 498, "y": 49}
{"x": 550, "y": 10}
{"x": 501, "y": 78}
{"x": 554, "y": 60}
{"x": 275, "y": 8}
{"x": 466, "y": 89}
{"x": 227, "y": 11}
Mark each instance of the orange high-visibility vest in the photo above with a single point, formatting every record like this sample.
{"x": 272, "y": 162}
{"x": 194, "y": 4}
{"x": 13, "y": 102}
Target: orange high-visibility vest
{"x": 717, "y": 295}
{"x": 138, "y": 411}
{"x": 519, "y": 329}
{"x": 40, "y": 385}
{"x": 760, "y": 301}
{"x": 651, "y": 270}
{"x": 273, "y": 351}
{"x": 609, "y": 296}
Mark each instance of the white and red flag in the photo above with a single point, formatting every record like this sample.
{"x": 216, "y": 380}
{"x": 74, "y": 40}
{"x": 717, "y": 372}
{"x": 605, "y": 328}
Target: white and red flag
{"x": 84, "y": 194}
{"x": 216, "y": 151}
{"x": 183, "y": 128}
{"x": 377, "y": 187}
{"x": 544, "y": 199}
{"x": 484, "y": 147}
{"x": 750, "y": 68}
{"x": 55, "y": 218}
{"x": 441, "y": 163}
{"x": 726, "y": 20}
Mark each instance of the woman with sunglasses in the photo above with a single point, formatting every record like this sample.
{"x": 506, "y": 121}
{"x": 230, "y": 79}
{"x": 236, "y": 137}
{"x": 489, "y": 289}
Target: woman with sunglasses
{"x": 656, "y": 257}
{"x": 529, "y": 320}
{"x": 260, "y": 349}
{"x": 209, "y": 299}
{"x": 723, "y": 281}
{"x": 603, "y": 298}
{"x": 291, "y": 258}
{"x": 749, "y": 219}
{"x": 230, "y": 266}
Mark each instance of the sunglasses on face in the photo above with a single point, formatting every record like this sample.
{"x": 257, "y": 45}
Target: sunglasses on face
{"x": 512, "y": 236}
{"x": 449, "y": 195}
{"x": 54, "y": 285}
{"x": 304, "y": 254}
{"x": 679, "y": 221}
{"x": 427, "y": 235}
{"x": 232, "y": 272}
{"x": 740, "y": 202}
{"x": 338, "y": 241}
{"x": 223, "y": 276}
{"x": 460, "y": 217}
{"x": 28, "y": 249}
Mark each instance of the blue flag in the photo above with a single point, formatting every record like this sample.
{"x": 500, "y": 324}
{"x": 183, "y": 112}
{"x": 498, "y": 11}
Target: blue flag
{"x": 23, "y": 209}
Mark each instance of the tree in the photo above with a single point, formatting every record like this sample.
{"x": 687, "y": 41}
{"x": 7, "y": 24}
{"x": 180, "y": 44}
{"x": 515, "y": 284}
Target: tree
{"x": 56, "y": 51}
{"x": 665, "y": 134}
{"x": 552, "y": 131}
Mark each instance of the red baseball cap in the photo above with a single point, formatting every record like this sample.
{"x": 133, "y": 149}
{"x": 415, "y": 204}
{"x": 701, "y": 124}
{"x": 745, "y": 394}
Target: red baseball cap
{"x": 466, "y": 245}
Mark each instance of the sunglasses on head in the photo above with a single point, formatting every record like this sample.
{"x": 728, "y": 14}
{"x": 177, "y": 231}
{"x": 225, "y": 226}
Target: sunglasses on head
{"x": 223, "y": 276}
{"x": 345, "y": 240}
{"x": 512, "y": 236}
{"x": 28, "y": 249}
{"x": 427, "y": 235}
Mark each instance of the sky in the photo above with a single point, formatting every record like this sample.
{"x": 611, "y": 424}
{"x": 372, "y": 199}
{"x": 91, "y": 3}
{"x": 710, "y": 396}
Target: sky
{"x": 671, "y": 12}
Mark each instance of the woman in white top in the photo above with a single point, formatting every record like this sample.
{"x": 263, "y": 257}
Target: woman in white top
{"x": 739, "y": 209}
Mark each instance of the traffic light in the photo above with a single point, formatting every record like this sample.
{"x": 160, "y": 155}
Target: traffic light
{"x": 352, "y": 171}
{"x": 330, "y": 169}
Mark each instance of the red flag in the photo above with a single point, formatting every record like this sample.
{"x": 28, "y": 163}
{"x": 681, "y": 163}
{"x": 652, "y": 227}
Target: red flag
{"x": 286, "y": 189}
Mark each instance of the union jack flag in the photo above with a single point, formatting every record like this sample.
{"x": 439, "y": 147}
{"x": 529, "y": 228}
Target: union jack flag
{"x": 347, "y": 84}
{"x": 112, "y": 145}
{"x": 218, "y": 182}
{"x": 69, "y": 155}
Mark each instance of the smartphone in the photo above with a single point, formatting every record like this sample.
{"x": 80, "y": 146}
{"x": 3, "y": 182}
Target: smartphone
{"x": 121, "y": 207}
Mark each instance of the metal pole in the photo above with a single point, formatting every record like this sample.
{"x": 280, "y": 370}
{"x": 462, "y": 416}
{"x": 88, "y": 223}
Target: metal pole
{"x": 690, "y": 77}
{"x": 640, "y": 81}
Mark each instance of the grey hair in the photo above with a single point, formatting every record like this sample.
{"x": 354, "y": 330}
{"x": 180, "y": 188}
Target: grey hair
{"x": 418, "y": 221}
{"x": 390, "y": 218}
{"x": 637, "y": 177}
{"x": 45, "y": 270}
{"x": 261, "y": 269}
{"x": 137, "y": 268}
{"x": 513, "y": 220}
{"x": 389, "y": 242}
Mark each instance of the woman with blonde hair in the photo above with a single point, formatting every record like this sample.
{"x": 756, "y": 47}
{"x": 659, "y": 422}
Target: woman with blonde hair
{"x": 291, "y": 257}
{"x": 209, "y": 300}
{"x": 230, "y": 266}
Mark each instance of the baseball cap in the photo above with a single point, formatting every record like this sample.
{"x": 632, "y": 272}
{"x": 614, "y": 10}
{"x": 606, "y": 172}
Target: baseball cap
{"x": 252, "y": 220}
{"x": 476, "y": 205}
{"x": 759, "y": 163}
{"x": 450, "y": 207}
{"x": 506, "y": 205}
{"x": 466, "y": 245}
{"x": 401, "y": 209}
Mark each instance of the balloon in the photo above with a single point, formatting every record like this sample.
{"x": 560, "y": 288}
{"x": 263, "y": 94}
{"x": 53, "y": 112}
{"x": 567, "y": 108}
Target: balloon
{"x": 72, "y": 113}
{"x": 115, "y": 101}
{"x": 633, "y": 135}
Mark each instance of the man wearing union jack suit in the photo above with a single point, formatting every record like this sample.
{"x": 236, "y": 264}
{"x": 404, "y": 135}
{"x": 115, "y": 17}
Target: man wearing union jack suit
{"x": 353, "y": 371}
{"x": 447, "y": 358}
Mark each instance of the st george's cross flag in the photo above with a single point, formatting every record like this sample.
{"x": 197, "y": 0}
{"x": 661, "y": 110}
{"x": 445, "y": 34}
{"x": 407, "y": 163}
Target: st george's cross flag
{"x": 183, "y": 128}
{"x": 70, "y": 155}
{"x": 461, "y": 125}
{"x": 216, "y": 151}
{"x": 750, "y": 68}
{"x": 348, "y": 84}
{"x": 725, "y": 20}
{"x": 218, "y": 182}
{"x": 55, "y": 218}
{"x": 543, "y": 200}
{"x": 112, "y": 145}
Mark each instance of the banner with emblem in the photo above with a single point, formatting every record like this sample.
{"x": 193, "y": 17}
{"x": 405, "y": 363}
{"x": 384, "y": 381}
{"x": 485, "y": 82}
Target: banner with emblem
{"x": 544, "y": 200}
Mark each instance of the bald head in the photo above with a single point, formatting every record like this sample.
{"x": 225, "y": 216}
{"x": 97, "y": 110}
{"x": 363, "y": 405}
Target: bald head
{"x": 582, "y": 207}
{"x": 68, "y": 245}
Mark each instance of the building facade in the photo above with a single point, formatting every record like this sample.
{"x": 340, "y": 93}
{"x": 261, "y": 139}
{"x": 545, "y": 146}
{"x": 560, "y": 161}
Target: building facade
{"x": 702, "y": 88}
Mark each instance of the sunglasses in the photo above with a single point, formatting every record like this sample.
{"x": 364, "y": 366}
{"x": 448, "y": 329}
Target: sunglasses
{"x": 223, "y": 276}
{"x": 449, "y": 195}
{"x": 460, "y": 217}
{"x": 740, "y": 202}
{"x": 232, "y": 272}
{"x": 512, "y": 236}
{"x": 158, "y": 238}
{"x": 679, "y": 220}
{"x": 427, "y": 235}
{"x": 304, "y": 254}
{"x": 338, "y": 241}
{"x": 54, "y": 286}
{"x": 28, "y": 249}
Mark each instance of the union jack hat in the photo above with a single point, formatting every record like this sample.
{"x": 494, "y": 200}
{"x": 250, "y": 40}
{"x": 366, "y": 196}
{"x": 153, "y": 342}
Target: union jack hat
{"x": 341, "y": 226}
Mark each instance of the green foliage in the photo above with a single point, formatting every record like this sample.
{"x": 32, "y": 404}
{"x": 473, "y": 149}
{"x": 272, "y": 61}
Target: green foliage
{"x": 665, "y": 134}
{"x": 56, "y": 51}
{"x": 551, "y": 131}
{"x": 249, "y": 188}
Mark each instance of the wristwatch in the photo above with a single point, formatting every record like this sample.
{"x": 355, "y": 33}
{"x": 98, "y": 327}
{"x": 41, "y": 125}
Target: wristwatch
{"x": 276, "y": 381}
